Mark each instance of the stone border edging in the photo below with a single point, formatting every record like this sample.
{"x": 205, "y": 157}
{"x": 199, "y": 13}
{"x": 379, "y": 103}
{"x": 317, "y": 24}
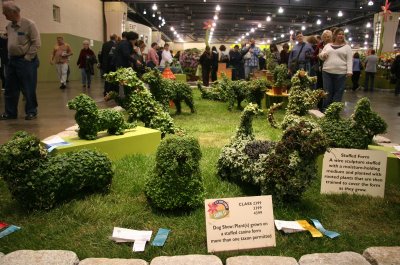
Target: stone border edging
{"x": 371, "y": 256}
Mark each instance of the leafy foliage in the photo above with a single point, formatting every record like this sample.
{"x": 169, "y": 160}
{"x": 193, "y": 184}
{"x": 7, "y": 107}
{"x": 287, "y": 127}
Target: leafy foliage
{"x": 140, "y": 103}
{"x": 284, "y": 169}
{"x": 176, "y": 182}
{"x": 236, "y": 91}
{"x": 301, "y": 99}
{"x": 355, "y": 132}
{"x": 281, "y": 76}
{"x": 91, "y": 120}
{"x": 39, "y": 181}
{"x": 165, "y": 90}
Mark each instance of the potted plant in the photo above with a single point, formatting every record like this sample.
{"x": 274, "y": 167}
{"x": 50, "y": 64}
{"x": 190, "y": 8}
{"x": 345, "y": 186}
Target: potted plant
{"x": 280, "y": 78}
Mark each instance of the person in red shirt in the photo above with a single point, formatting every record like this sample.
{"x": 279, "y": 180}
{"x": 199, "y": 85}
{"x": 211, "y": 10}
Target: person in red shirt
{"x": 152, "y": 56}
{"x": 85, "y": 62}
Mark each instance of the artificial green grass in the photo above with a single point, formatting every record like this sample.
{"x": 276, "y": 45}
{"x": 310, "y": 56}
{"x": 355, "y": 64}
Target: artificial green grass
{"x": 84, "y": 225}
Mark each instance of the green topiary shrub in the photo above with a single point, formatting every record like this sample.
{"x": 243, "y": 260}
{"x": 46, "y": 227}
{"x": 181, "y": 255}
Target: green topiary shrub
{"x": 354, "y": 132}
{"x": 284, "y": 169}
{"x": 176, "y": 182}
{"x": 39, "y": 181}
{"x": 165, "y": 90}
{"x": 140, "y": 103}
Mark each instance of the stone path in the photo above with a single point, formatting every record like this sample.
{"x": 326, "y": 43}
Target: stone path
{"x": 371, "y": 256}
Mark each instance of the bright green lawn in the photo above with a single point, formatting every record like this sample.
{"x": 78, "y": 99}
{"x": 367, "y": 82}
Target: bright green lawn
{"x": 83, "y": 226}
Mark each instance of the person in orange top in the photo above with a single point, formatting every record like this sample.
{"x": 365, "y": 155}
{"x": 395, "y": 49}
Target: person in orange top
{"x": 60, "y": 57}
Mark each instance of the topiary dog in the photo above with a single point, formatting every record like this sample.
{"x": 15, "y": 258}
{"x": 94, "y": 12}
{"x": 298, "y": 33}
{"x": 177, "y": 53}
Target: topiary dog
{"x": 38, "y": 180}
{"x": 92, "y": 120}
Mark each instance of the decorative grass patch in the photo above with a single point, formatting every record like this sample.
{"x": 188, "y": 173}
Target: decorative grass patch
{"x": 83, "y": 226}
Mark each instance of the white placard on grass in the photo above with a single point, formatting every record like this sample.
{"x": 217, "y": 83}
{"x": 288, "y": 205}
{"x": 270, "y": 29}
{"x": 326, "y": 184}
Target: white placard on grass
{"x": 354, "y": 171}
{"x": 239, "y": 223}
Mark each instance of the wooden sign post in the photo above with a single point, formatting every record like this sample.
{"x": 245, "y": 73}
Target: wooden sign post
{"x": 239, "y": 223}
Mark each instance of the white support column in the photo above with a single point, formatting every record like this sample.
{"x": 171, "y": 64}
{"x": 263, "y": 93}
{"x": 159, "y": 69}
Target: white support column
{"x": 390, "y": 30}
{"x": 116, "y": 14}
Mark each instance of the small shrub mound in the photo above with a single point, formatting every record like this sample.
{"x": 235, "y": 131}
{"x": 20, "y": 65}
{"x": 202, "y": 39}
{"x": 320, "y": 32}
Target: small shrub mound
{"x": 176, "y": 181}
{"x": 40, "y": 181}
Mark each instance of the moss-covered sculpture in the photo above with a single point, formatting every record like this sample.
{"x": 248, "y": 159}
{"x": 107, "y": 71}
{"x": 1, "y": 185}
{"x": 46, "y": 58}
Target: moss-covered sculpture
{"x": 301, "y": 99}
{"x": 165, "y": 90}
{"x": 236, "y": 91}
{"x": 40, "y": 181}
{"x": 284, "y": 169}
{"x": 354, "y": 132}
{"x": 139, "y": 102}
{"x": 176, "y": 181}
{"x": 92, "y": 120}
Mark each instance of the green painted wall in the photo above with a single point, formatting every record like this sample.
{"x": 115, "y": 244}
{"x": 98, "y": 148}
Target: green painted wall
{"x": 47, "y": 72}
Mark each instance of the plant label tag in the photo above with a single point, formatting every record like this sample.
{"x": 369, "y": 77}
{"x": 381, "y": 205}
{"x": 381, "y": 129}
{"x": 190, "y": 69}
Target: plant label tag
{"x": 354, "y": 171}
{"x": 239, "y": 223}
{"x": 139, "y": 245}
{"x": 130, "y": 234}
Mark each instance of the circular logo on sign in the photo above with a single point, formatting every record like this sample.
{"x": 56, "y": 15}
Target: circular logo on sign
{"x": 218, "y": 209}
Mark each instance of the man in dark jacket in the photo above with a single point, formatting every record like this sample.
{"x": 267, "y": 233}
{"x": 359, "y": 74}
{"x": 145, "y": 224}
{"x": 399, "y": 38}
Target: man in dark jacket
{"x": 106, "y": 61}
{"x": 395, "y": 69}
{"x": 124, "y": 51}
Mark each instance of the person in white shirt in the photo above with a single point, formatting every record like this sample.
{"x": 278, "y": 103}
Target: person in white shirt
{"x": 166, "y": 56}
{"x": 338, "y": 64}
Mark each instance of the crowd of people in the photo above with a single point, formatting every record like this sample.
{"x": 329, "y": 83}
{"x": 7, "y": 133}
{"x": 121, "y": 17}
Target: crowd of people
{"x": 328, "y": 57}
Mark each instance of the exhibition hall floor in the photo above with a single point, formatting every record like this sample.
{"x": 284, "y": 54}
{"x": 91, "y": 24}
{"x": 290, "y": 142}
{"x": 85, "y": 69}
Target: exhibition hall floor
{"x": 54, "y": 116}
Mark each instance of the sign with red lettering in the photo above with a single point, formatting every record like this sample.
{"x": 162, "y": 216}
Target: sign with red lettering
{"x": 239, "y": 223}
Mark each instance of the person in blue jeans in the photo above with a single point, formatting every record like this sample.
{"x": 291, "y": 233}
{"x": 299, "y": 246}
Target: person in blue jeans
{"x": 338, "y": 64}
{"x": 23, "y": 45}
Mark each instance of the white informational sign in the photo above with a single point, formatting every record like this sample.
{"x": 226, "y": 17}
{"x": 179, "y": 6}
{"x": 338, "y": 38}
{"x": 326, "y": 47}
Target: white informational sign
{"x": 239, "y": 223}
{"x": 354, "y": 171}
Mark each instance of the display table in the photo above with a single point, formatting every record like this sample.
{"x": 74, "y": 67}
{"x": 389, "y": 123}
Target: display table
{"x": 271, "y": 98}
{"x": 180, "y": 77}
{"x": 139, "y": 140}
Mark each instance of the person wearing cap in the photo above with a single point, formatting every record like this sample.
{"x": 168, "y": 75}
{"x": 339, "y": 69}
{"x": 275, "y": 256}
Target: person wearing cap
{"x": 300, "y": 56}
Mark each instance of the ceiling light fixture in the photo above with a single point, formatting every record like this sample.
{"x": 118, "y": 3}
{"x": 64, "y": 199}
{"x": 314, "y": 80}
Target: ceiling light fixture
{"x": 252, "y": 29}
{"x": 268, "y": 41}
{"x": 268, "y": 18}
{"x": 366, "y": 36}
{"x": 352, "y": 45}
{"x": 319, "y": 22}
{"x": 365, "y": 43}
{"x": 172, "y": 29}
{"x": 218, "y": 8}
{"x": 346, "y": 30}
{"x": 247, "y": 34}
{"x": 215, "y": 17}
{"x": 370, "y": 3}
{"x": 368, "y": 25}
{"x": 154, "y": 7}
{"x": 282, "y": 35}
{"x": 291, "y": 32}
{"x": 144, "y": 12}
{"x": 395, "y": 45}
{"x": 350, "y": 39}
{"x": 340, "y": 14}
{"x": 159, "y": 18}
{"x": 214, "y": 24}
{"x": 154, "y": 15}
{"x": 274, "y": 38}
{"x": 303, "y": 28}
{"x": 280, "y": 10}
{"x": 259, "y": 25}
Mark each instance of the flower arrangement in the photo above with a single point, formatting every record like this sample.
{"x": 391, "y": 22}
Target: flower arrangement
{"x": 189, "y": 60}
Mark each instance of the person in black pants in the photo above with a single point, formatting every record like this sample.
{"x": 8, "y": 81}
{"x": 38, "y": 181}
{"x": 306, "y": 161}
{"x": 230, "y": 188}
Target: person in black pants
{"x": 236, "y": 62}
{"x": 107, "y": 62}
{"x": 214, "y": 64}
{"x": 395, "y": 69}
{"x": 357, "y": 67}
{"x": 4, "y": 59}
{"x": 205, "y": 62}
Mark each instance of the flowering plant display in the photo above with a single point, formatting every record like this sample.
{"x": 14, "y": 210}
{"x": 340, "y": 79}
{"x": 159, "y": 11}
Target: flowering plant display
{"x": 189, "y": 60}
